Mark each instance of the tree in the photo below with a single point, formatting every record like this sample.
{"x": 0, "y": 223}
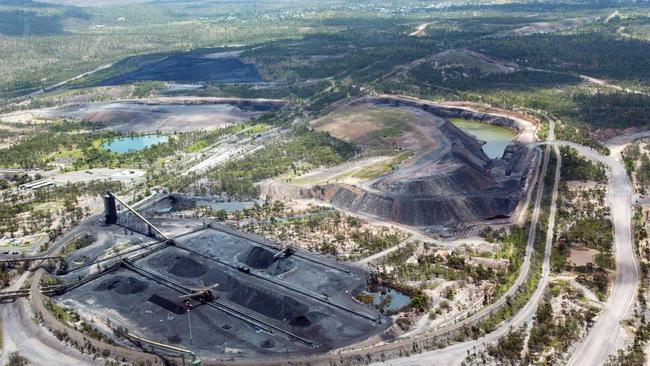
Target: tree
{"x": 16, "y": 359}
{"x": 419, "y": 301}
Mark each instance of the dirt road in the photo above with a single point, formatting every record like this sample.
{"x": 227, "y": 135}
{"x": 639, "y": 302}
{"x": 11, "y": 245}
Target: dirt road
{"x": 21, "y": 334}
{"x": 603, "y": 337}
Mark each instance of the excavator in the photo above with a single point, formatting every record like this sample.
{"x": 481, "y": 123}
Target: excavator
{"x": 286, "y": 251}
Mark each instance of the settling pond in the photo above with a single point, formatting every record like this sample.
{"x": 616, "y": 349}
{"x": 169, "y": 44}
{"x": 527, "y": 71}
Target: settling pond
{"x": 496, "y": 137}
{"x": 394, "y": 300}
{"x": 124, "y": 145}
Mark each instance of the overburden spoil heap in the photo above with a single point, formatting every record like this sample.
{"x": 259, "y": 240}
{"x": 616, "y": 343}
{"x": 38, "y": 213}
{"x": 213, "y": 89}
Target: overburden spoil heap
{"x": 447, "y": 182}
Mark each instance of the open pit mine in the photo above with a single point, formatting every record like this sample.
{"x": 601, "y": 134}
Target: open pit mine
{"x": 446, "y": 183}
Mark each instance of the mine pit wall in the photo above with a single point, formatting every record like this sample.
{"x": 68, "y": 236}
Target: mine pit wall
{"x": 428, "y": 211}
{"x": 444, "y": 211}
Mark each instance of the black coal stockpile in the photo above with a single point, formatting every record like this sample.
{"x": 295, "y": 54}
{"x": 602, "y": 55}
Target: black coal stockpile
{"x": 265, "y": 302}
{"x": 187, "y": 267}
{"x": 123, "y": 285}
{"x": 257, "y": 257}
{"x": 226, "y": 281}
{"x": 167, "y": 304}
{"x": 260, "y": 258}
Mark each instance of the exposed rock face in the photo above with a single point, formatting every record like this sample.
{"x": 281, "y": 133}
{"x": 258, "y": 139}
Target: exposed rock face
{"x": 447, "y": 183}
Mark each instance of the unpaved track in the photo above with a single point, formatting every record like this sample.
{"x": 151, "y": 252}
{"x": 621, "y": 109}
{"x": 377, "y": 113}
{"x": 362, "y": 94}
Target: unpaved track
{"x": 603, "y": 337}
{"x": 21, "y": 334}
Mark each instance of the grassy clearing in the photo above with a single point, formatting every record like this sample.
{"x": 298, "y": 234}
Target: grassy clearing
{"x": 79, "y": 243}
{"x": 375, "y": 170}
{"x": 59, "y": 312}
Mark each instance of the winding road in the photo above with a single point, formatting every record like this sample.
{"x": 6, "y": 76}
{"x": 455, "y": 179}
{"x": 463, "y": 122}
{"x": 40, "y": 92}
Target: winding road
{"x": 602, "y": 338}
{"x": 21, "y": 334}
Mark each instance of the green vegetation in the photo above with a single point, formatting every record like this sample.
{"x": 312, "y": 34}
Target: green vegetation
{"x": 340, "y": 51}
{"x": 637, "y": 164}
{"x": 16, "y": 359}
{"x": 78, "y": 243}
{"x": 508, "y": 348}
{"x": 146, "y": 88}
{"x": 576, "y": 167}
{"x": 616, "y": 57}
{"x": 303, "y": 150}
{"x": 323, "y": 230}
{"x": 70, "y": 144}
{"x": 549, "y": 332}
{"x": 50, "y": 209}
{"x": 511, "y": 245}
{"x": 62, "y": 314}
{"x": 583, "y": 222}
{"x": 376, "y": 170}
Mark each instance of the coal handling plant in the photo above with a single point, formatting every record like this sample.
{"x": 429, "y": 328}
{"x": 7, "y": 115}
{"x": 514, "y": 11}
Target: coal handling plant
{"x": 204, "y": 287}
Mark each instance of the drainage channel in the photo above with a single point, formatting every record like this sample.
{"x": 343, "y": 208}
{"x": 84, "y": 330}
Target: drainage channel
{"x": 284, "y": 285}
{"x": 260, "y": 242}
{"x": 230, "y": 310}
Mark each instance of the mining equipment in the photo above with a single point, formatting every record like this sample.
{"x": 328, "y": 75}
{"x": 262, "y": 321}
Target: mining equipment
{"x": 286, "y": 251}
{"x": 203, "y": 293}
{"x": 110, "y": 209}
{"x": 243, "y": 269}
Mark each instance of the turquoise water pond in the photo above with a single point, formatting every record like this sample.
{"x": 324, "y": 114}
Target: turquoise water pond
{"x": 124, "y": 145}
{"x": 496, "y": 137}
{"x": 396, "y": 302}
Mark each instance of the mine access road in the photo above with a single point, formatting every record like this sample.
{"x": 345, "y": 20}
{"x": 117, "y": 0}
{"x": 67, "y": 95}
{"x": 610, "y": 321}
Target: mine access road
{"x": 603, "y": 336}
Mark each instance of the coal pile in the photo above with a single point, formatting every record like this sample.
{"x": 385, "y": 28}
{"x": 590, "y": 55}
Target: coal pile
{"x": 300, "y": 321}
{"x": 175, "y": 339}
{"x": 186, "y": 67}
{"x": 251, "y": 312}
{"x": 226, "y": 281}
{"x": 187, "y": 267}
{"x": 257, "y": 257}
{"x": 280, "y": 266}
{"x": 267, "y": 344}
{"x": 123, "y": 285}
{"x": 267, "y": 302}
{"x": 260, "y": 258}
{"x": 167, "y": 304}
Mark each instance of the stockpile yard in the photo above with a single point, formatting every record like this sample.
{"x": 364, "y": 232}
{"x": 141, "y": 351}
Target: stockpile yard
{"x": 216, "y": 291}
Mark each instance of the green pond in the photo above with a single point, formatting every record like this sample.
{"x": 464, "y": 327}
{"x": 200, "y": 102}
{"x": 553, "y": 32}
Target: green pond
{"x": 124, "y": 145}
{"x": 496, "y": 137}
